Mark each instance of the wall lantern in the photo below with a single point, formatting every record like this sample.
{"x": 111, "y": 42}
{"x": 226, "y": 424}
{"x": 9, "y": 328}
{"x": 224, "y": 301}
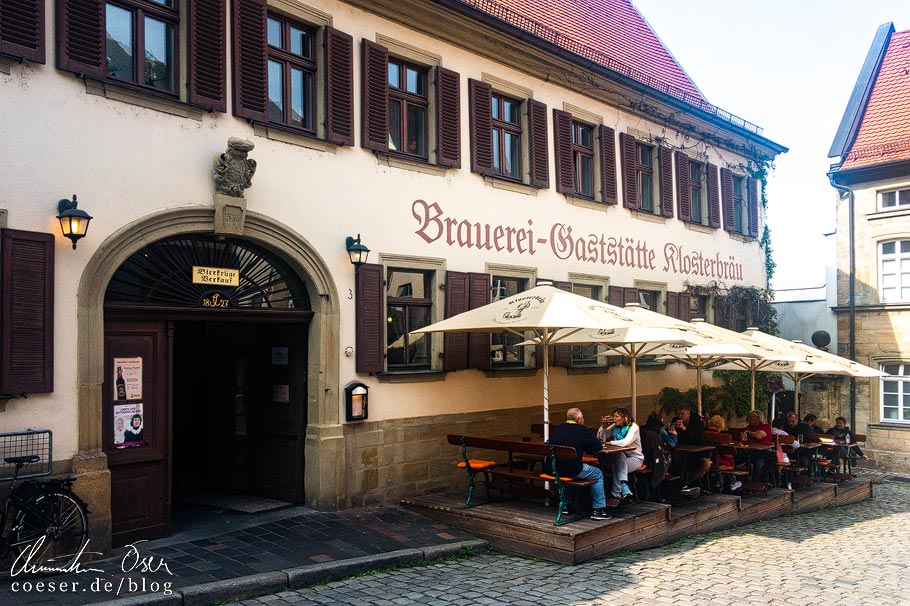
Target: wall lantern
{"x": 356, "y": 251}
{"x": 355, "y": 400}
{"x": 73, "y": 222}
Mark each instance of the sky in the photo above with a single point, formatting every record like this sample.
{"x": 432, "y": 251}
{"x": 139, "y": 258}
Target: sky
{"x": 788, "y": 66}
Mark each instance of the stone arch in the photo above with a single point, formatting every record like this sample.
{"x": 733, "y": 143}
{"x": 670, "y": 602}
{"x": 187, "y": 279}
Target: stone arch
{"x": 324, "y": 449}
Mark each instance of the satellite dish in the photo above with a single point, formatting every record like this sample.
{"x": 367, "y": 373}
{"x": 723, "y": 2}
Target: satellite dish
{"x": 821, "y": 339}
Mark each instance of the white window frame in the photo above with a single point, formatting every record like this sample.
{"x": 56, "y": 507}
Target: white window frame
{"x": 899, "y": 192}
{"x": 903, "y": 385}
{"x": 601, "y": 285}
{"x": 898, "y": 258}
{"x": 529, "y": 275}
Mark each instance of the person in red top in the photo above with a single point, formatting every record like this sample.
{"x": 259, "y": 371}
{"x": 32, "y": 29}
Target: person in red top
{"x": 756, "y": 432}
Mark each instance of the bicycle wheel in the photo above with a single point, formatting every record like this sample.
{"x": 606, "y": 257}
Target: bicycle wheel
{"x": 53, "y": 533}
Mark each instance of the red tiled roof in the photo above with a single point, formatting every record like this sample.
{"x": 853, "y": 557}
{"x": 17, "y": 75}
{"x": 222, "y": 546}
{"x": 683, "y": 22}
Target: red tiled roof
{"x": 884, "y": 133}
{"x": 613, "y": 27}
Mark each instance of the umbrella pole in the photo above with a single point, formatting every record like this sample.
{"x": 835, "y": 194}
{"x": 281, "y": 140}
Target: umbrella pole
{"x": 546, "y": 386}
{"x": 634, "y": 388}
{"x": 698, "y": 381}
{"x": 753, "y": 387}
{"x": 796, "y": 381}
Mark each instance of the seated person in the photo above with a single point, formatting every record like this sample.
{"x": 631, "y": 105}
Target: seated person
{"x": 574, "y": 433}
{"x": 691, "y": 430}
{"x": 798, "y": 429}
{"x": 655, "y": 424}
{"x": 757, "y": 432}
{"x": 843, "y": 435}
{"x": 625, "y": 433}
{"x": 717, "y": 424}
{"x": 811, "y": 422}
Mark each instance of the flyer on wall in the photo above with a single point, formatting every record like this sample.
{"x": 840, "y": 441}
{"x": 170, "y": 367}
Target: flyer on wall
{"x": 129, "y": 427}
{"x": 127, "y": 378}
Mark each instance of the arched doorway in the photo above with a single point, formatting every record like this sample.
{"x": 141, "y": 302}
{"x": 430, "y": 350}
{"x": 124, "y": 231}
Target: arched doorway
{"x": 205, "y": 367}
{"x": 323, "y": 449}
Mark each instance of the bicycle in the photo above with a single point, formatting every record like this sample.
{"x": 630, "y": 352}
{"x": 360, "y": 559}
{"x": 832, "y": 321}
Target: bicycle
{"x": 49, "y": 525}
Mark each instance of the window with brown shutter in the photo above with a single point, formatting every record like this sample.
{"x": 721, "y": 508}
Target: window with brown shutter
{"x": 665, "y": 157}
{"x": 369, "y": 318}
{"x": 81, "y": 37}
{"x": 448, "y": 118}
{"x": 455, "y": 344}
{"x": 672, "y": 304}
{"x": 560, "y": 355}
{"x": 726, "y": 196}
{"x": 563, "y": 152}
{"x": 276, "y": 75}
{"x": 685, "y": 307}
{"x": 26, "y": 312}
{"x": 713, "y": 196}
{"x": 339, "y": 82}
{"x": 478, "y": 343}
{"x": 22, "y": 29}
{"x": 607, "y": 140}
{"x": 480, "y": 95}
{"x": 375, "y": 105}
{"x": 206, "y": 77}
{"x": 752, "y": 206}
{"x": 628, "y": 149}
{"x": 538, "y": 145}
{"x": 682, "y": 186}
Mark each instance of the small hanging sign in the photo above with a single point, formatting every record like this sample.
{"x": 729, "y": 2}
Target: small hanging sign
{"x": 218, "y": 276}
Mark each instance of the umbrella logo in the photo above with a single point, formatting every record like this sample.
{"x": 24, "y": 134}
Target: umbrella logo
{"x": 606, "y": 332}
{"x": 516, "y": 313}
{"x": 676, "y": 346}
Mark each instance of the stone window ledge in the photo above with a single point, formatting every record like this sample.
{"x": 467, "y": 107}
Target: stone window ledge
{"x": 110, "y": 90}
{"x": 645, "y": 215}
{"x": 890, "y": 426}
{"x": 702, "y": 229}
{"x": 420, "y": 166}
{"x": 412, "y": 376}
{"x": 512, "y": 186}
{"x": 519, "y": 371}
{"x": 277, "y": 134}
{"x": 583, "y": 202}
{"x": 587, "y": 370}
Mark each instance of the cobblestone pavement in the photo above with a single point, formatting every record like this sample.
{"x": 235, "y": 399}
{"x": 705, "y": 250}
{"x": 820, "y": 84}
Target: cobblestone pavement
{"x": 858, "y": 555}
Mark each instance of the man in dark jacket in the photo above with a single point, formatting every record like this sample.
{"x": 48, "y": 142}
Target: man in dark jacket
{"x": 690, "y": 430}
{"x": 574, "y": 433}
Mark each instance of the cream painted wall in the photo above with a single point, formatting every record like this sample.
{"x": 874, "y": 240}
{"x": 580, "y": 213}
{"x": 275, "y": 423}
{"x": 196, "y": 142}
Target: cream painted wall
{"x": 125, "y": 162}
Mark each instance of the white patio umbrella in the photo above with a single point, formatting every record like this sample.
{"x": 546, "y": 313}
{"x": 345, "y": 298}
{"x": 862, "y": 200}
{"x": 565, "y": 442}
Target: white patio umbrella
{"x": 815, "y": 362}
{"x": 652, "y": 333}
{"x": 741, "y": 352}
{"x": 543, "y": 311}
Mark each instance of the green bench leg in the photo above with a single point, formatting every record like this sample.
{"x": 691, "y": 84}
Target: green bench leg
{"x": 486, "y": 484}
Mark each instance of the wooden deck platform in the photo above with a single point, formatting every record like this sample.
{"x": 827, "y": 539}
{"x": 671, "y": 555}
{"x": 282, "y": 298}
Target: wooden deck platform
{"x": 525, "y": 527}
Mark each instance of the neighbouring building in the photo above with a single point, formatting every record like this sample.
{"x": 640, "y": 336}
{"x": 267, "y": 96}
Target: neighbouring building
{"x": 209, "y": 332}
{"x": 872, "y": 175}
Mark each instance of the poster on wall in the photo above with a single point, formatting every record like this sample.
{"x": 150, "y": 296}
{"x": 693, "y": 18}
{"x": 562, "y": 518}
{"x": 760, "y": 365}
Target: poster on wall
{"x": 279, "y": 356}
{"x": 281, "y": 393}
{"x": 127, "y": 378}
{"x": 129, "y": 427}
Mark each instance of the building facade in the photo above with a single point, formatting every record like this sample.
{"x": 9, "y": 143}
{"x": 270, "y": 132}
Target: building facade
{"x": 209, "y": 332}
{"x": 872, "y": 174}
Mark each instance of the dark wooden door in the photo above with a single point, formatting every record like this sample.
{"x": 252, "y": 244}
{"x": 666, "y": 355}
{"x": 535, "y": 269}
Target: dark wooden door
{"x": 137, "y": 352}
{"x": 280, "y": 411}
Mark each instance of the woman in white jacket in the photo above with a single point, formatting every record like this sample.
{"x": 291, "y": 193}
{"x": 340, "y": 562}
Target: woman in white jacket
{"x": 625, "y": 433}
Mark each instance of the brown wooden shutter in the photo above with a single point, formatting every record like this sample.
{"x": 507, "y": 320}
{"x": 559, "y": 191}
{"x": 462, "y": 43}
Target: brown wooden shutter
{"x": 478, "y": 343}
{"x": 682, "y": 185}
{"x": 665, "y": 155}
{"x": 685, "y": 306}
{"x": 616, "y": 296}
{"x": 713, "y": 196}
{"x": 538, "y": 145}
{"x": 607, "y": 138}
{"x": 339, "y": 87}
{"x": 375, "y": 105}
{"x": 81, "y": 37}
{"x": 480, "y": 96}
{"x": 22, "y": 29}
{"x": 726, "y": 196}
{"x": 630, "y": 295}
{"x": 250, "y": 59}
{"x": 206, "y": 78}
{"x": 26, "y": 312}
{"x": 370, "y": 325}
{"x": 753, "y": 186}
{"x": 629, "y": 174}
{"x": 448, "y": 118}
{"x": 562, "y": 151}
{"x": 673, "y": 304}
{"x": 560, "y": 355}
{"x": 455, "y": 352}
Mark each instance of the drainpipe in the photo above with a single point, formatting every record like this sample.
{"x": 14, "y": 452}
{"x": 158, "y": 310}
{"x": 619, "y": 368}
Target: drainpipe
{"x": 851, "y": 299}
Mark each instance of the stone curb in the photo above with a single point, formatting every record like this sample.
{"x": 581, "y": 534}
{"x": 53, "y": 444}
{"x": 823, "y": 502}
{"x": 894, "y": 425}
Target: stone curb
{"x": 265, "y": 583}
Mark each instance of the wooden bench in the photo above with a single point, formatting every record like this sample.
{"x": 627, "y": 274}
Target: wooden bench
{"x": 508, "y": 477}
{"x": 726, "y": 474}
